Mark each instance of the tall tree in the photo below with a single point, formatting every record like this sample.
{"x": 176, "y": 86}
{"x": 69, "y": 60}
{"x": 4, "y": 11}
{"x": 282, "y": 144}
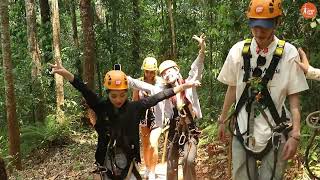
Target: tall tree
{"x": 89, "y": 53}
{"x": 100, "y": 11}
{"x": 88, "y": 42}
{"x": 74, "y": 23}
{"x": 57, "y": 58}
{"x": 100, "y": 20}
{"x": 45, "y": 26}
{"x": 173, "y": 34}
{"x": 75, "y": 36}
{"x": 13, "y": 125}
{"x": 114, "y": 30}
{"x": 38, "y": 111}
{"x": 135, "y": 33}
{"x": 44, "y": 11}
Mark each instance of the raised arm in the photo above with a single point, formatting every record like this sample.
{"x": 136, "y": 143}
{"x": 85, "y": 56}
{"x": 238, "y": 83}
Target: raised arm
{"x": 165, "y": 94}
{"x": 198, "y": 66}
{"x": 91, "y": 98}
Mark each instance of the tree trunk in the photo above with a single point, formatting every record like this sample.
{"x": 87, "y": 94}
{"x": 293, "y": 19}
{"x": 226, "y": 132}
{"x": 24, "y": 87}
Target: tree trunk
{"x": 74, "y": 23}
{"x": 89, "y": 49}
{"x": 44, "y": 11}
{"x": 46, "y": 44}
{"x": 89, "y": 42}
{"x": 99, "y": 20}
{"x": 38, "y": 104}
{"x": 164, "y": 55}
{"x": 75, "y": 36}
{"x": 57, "y": 58}
{"x": 46, "y": 29}
{"x": 173, "y": 34}
{"x": 3, "y": 172}
{"x": 100, "y": 12}
{"x": 135, "y": 35}
{"x": 13, "y": 125}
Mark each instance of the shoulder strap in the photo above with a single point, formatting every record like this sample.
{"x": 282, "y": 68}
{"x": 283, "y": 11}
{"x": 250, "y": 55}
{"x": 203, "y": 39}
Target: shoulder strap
{"x": 274, "y": 62}
{"x": 268, "y": 102}
{"x": 246, "y": 54}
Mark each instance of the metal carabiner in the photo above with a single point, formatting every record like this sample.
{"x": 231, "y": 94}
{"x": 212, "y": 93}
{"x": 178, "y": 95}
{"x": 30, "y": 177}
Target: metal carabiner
{"x": 249, "y": 142}
{"x": 276, "y": 140}
{"x": 182, "y": 113}
{"x": 114, "y": 143}
{"x": 182, "y": 139}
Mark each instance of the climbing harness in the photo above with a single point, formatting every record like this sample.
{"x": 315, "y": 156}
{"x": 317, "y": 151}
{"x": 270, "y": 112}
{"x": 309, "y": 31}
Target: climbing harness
{"x": 119, "y": 163}
{"x": 185, "y": 132}
{"x": 256, "y": 99}
{"x": 313, "y": 121}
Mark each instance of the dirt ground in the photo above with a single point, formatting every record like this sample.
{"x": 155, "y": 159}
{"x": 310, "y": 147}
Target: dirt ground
{"x": 74, "y": 159}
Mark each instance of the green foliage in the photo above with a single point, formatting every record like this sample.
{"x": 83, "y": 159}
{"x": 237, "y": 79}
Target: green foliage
{"x": 208, "y": 134}
{"x": 39, "y": 135}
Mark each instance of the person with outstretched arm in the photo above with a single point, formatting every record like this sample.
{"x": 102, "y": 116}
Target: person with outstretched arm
{"x": 118, "y": 120}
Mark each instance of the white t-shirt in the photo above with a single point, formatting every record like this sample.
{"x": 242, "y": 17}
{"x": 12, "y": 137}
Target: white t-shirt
{"x": 288, "y": 79}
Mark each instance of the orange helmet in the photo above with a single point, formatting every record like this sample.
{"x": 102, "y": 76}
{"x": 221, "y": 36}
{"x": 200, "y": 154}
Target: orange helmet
{"x": 264, "y": 9}
{"x": 116, "y": 80}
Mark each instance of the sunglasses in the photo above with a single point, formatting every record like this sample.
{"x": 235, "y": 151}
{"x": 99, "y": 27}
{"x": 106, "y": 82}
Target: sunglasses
{"x": 261, "y": 61}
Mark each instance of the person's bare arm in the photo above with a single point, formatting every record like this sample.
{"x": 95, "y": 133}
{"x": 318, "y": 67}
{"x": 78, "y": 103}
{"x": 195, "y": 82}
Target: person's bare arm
{"x": 292, "y": 143}
{"x": 198, "y": 64}
{"x": 230, "y": 98}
